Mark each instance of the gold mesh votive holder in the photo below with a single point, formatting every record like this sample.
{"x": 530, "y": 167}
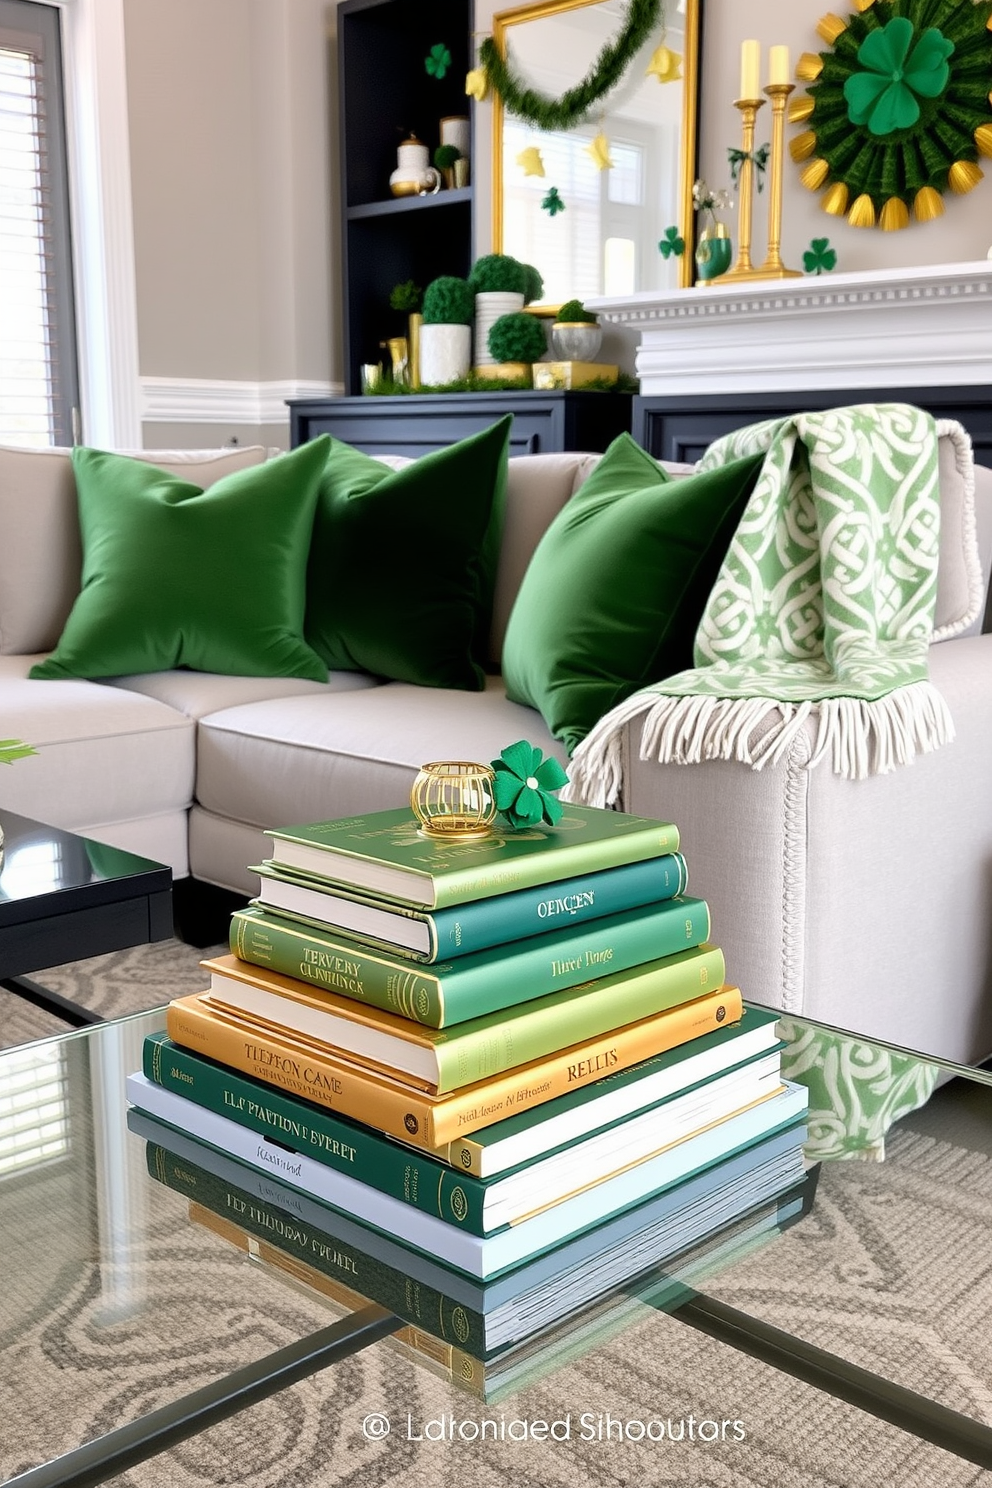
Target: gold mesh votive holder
{"x": 454, "y": 800}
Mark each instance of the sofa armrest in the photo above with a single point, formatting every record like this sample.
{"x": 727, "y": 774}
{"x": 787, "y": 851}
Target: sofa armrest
{"x": 866, "y": 904}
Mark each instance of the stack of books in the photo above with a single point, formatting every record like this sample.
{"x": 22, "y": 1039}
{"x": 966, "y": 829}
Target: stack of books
{"x": 513, "y": 1068}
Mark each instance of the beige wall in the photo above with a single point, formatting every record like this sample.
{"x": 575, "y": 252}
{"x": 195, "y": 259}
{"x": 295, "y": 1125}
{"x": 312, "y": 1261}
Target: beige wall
{"x": 231, "y": 125}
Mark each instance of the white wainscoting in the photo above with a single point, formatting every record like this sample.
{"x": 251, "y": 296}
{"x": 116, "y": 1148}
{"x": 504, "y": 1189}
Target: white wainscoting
{"x": 176, "y": 400}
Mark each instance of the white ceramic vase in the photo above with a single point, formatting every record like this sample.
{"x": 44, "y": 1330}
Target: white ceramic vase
{"x": 489, "y": 306}
{"x": 445, "y": 353}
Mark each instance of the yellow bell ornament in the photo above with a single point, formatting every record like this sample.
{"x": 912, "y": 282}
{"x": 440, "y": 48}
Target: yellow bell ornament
{"x": 530, "y": 161}
{"x": 665, "y": 65}
{"x": 477, "y": 84}
{"x": 599, "y": 149}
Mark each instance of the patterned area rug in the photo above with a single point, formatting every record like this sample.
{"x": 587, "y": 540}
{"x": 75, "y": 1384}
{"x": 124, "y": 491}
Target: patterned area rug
{"x": 131, "y": 981}
{"x": 861, "y": 1277}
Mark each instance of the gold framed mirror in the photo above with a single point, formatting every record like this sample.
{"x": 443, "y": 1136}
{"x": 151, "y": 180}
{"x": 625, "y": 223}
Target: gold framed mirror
{"x": 605, "y": 240}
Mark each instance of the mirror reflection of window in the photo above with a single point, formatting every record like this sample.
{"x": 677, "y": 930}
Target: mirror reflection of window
{"x": 34, "y": 1109}
{"x": 606, "y": 239}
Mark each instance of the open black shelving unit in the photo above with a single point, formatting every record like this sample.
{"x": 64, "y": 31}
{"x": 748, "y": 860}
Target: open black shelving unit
{"x": 386, "y": 94}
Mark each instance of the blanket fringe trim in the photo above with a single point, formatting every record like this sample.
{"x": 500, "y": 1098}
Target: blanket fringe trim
{"x": 861, "y": 738}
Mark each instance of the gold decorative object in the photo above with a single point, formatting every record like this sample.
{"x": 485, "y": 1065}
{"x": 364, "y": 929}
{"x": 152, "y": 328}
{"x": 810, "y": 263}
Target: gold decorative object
{"x": 454, "y": 800}
{"x": 414, "y": 322}
{"x": 572, "y": 374}
{"x": 743, "y": 268}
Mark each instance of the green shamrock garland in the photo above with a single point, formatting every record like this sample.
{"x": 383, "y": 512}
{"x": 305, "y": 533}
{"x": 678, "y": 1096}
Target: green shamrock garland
{"x": 899, "y": 111}
{"x": 574, "y": 105}
{"x": 552, "y": 202}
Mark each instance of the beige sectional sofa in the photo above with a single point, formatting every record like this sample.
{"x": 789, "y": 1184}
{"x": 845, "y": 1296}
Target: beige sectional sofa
{"x": 866, "y": 904}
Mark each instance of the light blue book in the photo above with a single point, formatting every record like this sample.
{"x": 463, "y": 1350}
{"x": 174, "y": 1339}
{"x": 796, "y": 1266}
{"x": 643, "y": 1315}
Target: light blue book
{"x": 479, "y": 1257}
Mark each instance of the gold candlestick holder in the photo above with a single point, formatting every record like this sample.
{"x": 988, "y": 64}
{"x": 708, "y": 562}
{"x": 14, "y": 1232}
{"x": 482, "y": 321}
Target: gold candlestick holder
{"x": 743, "y": 268}
{"x": 773, "y": 267}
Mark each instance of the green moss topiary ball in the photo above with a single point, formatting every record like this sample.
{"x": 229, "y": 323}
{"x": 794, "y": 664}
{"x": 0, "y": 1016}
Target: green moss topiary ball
{"x": 517, "y": 338}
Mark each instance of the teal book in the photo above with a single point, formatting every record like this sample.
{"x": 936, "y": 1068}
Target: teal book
{"x": 445, "y": 934}
{"x": 707, "y": 1093}
{"x": 385, "y": 853}
{"x": 490, "y": 981}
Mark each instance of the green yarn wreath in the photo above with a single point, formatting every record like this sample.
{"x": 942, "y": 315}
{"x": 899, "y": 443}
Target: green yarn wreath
{"x": 573, "y": 106}
{"x": 899, "y": 111}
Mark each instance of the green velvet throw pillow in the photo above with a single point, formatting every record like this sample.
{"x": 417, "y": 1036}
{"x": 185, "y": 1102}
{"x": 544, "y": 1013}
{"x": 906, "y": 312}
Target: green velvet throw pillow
{"x": 174, "y": 576}
{"x": 403, "y": 562}
{"x": 617, "y": 585}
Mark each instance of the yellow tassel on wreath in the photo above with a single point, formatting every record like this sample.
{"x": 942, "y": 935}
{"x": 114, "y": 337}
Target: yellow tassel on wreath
{"x": 835, "y": 200}
{"x": 809, "y": 67}
{"x": 927, "y": 204}
{"x": 830, "y": 27}
{"x": 983, "y": 139}
{"x": 802, "y": 146}
{"x": 814, "y": 174}
{"x": 801, "y": 108}
{"x": 862, "y": 214}
{"x": 964, "y": 175}
{"x": 894, "y": 215}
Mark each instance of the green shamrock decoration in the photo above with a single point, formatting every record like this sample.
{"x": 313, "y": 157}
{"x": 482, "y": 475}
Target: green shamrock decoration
{"x": 884, "y": 95}
{"x": 524, "y": 784}
{"x": 819, "y": 257}
{"x": 553, "y": 203}
{"x": 438, "y": 62}
{"x": 671, "y": 244}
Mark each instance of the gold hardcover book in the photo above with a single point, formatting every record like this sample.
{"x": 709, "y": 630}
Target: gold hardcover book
{"x": 298, "y": 1064}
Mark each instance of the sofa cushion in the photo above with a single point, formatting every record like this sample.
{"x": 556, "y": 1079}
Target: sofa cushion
{"x": 40, "y": 552}
{"x": 403, "y": 561}
{"x": 197, "y": 693}
{"x": 615, "y": 590}
{"x": 177, "y": 576}
{"x": 103, "y": 754}
{"x": 308, "y": 758}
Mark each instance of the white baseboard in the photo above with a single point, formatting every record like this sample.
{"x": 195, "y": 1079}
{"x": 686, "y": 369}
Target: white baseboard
{"x": 180, "y": 400}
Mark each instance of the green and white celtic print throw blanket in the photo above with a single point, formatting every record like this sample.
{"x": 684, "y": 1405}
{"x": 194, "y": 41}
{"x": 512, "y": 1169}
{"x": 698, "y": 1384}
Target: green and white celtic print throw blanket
{"x": 822, "y": 613}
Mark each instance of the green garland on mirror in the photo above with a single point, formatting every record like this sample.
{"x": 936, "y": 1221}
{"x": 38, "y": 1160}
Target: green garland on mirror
{"x": 899, "y": 111}
{"x": 573, "y": 106}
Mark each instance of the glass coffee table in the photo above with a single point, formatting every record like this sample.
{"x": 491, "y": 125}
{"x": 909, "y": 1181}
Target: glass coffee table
{"x": 840, "y": 1338}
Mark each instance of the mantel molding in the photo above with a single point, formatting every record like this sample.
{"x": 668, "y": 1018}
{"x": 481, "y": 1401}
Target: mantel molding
{"x": 924, "y": 326}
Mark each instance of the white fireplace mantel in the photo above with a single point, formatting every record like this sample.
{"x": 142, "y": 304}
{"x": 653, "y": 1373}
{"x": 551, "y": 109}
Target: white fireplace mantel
{"x": 922, "y": 327}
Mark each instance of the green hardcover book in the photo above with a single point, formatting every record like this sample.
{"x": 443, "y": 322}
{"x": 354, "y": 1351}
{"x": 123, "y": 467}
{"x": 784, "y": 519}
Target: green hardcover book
{"x": 471, "y": 987}
{"x": 480, "y": 1206}
{"x": 384, "y": 853}
{"x": 444, "y": 1060}
{"x": 445, "y": 934}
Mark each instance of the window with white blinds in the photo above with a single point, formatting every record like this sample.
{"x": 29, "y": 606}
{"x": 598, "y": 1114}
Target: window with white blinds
{"x": 37, "y": 338}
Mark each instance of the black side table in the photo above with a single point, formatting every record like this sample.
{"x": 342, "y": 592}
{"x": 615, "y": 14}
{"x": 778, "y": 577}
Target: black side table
{"x": 64, "y": 898}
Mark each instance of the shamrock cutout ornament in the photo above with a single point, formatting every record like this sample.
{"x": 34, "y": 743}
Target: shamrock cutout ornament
{"x": 553, "y": 203}
{"x": 672, "y": 244}
{"x": 884, "y": 93}
{"x": 819, "y": 257}
{"x": 524, "y": 786}
{"x": 437, "y": 62}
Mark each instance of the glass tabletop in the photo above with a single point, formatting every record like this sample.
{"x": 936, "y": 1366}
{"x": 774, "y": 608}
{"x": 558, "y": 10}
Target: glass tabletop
{"x": 141, "y": 1272}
